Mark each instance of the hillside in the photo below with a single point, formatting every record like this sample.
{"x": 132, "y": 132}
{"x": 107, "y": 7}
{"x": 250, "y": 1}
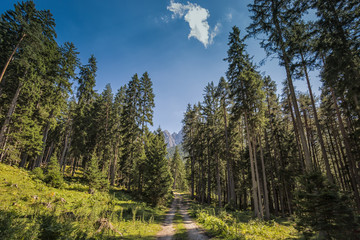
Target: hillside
{"x": 32, "y": 210}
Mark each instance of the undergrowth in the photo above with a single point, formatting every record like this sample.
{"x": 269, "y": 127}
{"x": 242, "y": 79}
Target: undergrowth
{"x": 222, "y": 224}
{"x": 30, "y": 209}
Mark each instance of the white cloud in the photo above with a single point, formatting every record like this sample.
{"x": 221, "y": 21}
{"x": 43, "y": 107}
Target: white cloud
{"x": 197, "y": 17}
{"x": 214, "y": 32}
{"x": 165, "y": 19}
{"x": 229, "y": 17}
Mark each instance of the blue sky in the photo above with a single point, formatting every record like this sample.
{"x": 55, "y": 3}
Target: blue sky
{"x": 134, "y": 36}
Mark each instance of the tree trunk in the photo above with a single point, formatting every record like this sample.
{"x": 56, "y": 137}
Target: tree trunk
{"x": 285, "y": 58}
{"x": 23, "y": 160}
{"x": 192, "y": 160}
{"x": 208, "y": 200}
{"x": 45, "y": 135}
{"x": 11, "y": 56}
{"x": 297, "y": 138}
{"x": 266, "y": 196}
{"x": 353, "y": 172}
{"x": 257, "y": 178}
{"x": 317, "y": 123}
{"x": 230, "y": 177}
{"x": 113, "y": 165}
{"x": 9, "y": 115}
{"x": 253, "y": 180}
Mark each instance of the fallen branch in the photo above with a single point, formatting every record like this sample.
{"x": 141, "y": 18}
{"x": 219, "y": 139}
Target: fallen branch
{"x": 104, "y": 223}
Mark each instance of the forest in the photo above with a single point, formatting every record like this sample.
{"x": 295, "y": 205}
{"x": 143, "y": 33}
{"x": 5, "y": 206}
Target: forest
{"x": 247, "y": 148}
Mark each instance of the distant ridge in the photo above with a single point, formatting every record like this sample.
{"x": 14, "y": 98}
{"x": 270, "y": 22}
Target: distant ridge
{"x": 173, "y": 139}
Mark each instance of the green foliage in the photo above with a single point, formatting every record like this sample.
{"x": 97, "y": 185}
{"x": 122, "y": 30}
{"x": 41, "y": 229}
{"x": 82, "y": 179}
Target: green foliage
{"x": 224, "y": 224}
{"x": 38, "y": 173}
{"x": 157, "y": 176}
{"x": 94, "y": 177}
{"x": 34, "y": 210}
{"x": 177, "y": 168}
{"x": 171, "y": 151}
{"x": 53, "y": 175}
{"x": 322, "y": 209}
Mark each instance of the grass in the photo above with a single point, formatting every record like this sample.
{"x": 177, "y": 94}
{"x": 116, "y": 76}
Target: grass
{"x": 222, "y": 224}
{"x": 32, "y": 210}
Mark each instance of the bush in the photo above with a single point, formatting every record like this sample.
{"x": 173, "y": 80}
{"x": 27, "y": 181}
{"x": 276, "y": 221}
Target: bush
{"x": 38, "y": 173}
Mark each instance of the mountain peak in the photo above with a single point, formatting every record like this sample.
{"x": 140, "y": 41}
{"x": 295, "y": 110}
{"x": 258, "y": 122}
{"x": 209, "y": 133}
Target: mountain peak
{"x": 173, "y": 139}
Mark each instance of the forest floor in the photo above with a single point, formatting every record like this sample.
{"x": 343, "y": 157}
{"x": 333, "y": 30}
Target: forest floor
{"x": 184, "y": 228}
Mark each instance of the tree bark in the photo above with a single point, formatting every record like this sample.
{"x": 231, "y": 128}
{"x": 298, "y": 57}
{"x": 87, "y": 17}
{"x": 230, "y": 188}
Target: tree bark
{"x": 113, "y": 165}
{"x": 9, "y": 114}
{"x": 285, "y": 58}
{"x": 230, "y": 177}
{"x": 253, "y": 180}
{"x": 45, "y": 135}
{"x": 353, "y": 172}
{"x": 11, "y": 56}
{"x": 317, "y": 123}
{"x": 266, "y": 196}
{"x": 257, "y": 178}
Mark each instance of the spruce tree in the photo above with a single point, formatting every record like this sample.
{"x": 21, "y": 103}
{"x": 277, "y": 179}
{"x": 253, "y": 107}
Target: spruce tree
{"x": 95, "y": 178}
{"x": 53, "y": 174}
{"x": 272, "y": 19}
{"x": 245, "y": 86}
{"x": 178, "y": 171}
{"x": 157, "y": 176}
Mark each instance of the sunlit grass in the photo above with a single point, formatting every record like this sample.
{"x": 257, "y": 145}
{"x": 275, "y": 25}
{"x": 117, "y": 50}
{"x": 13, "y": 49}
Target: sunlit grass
{"x": 37, "y": 210}
{"x": 222, "y": 224}
{"x": 180, "y": 230}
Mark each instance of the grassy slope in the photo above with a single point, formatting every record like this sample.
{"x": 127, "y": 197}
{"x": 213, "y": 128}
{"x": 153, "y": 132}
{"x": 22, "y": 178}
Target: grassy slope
{"x": 30, "y": 209}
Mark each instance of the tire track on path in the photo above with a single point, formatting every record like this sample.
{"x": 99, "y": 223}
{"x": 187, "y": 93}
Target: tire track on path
{"x": 194, "y": 232}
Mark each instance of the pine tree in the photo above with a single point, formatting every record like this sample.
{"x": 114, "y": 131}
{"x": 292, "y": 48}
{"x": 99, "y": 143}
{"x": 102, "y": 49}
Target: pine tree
{"x": 83, "y": 131}
{"x": 130, "y": 130}
{"x": 146, "y": 101}
{"x": 272, "y": 18}
{"x": 157, "y": 176}
{"x": 94, "y": 176}
{"x": 245, "y": 86}
{"x": 53, "y": 174}
{"x": 178, "y": 171}
{"x": 25, "y": 28}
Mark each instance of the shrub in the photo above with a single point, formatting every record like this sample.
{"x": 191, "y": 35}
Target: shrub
{"x": 38, "y": 173}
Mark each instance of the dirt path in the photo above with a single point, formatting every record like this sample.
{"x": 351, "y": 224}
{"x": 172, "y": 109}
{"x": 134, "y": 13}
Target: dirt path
{"x": 193, "y": 230}
{"x": 168, "y": 230}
